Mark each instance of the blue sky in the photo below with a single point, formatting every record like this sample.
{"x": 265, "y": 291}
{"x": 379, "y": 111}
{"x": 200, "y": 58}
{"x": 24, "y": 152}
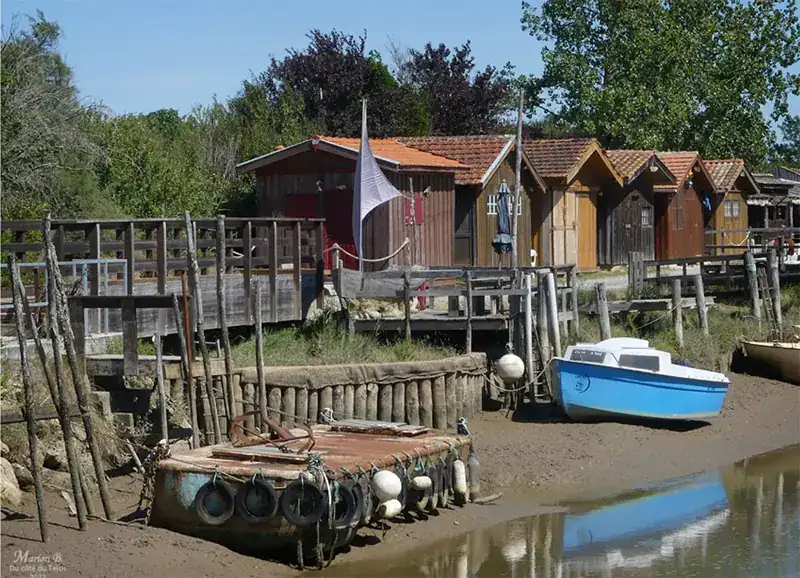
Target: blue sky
{"x": 138, "y": 56}
{"x": 142, "y": 55}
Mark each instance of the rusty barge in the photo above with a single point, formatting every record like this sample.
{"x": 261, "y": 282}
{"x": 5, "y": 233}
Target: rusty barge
{"x": 308, "y": 490}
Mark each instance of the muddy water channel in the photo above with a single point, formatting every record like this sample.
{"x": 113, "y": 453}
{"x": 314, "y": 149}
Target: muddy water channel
{"x": 743, "y": 521}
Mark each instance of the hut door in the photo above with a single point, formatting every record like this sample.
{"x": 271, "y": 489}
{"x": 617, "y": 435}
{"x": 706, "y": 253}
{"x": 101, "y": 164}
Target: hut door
{"x": 587, "y": 231}
{"x": 464, "y": 238}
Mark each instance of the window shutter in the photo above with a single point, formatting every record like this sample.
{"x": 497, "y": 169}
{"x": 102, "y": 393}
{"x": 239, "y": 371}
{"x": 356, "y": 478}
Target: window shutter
{"x": 419, "y": 210}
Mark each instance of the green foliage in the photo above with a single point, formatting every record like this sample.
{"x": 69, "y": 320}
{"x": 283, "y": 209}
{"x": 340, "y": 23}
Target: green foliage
{"x": 787, "y": 152}
{"x": 686, "y": 74}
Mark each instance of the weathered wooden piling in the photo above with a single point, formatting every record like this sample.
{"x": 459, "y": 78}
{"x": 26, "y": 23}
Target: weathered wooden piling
{"x": 775, "y": 286}
{"x": 288, "y": 398}
{"x": 349, "y": 401}
{"x": 450, "y": 399}
{"x": 185, "y": 339}
{"x": 752, "y": 283}
{"x": 238, "y": 395}
{"x": 249, "y": 404}
{"x": 360, "y": 401}
{"x": 259, "y": 343}
{"x": 301, "y": 404}
{"x": 468, "y": 311}
{"x": 573, "y": 284}
{"x": 603, "y": 317}
{"x": 338, "y": 401}
{"x": 439, "y": 404}
{"x": 162, "y": 394}
{"x": 541, "y": 318}
{"x": 18, "y": 296}
{"x": 426, "y": 402}
{"x": 398, "y": 402}
{"x": 385, "y": 402}
{"x": 677, "y": 312}
{"x": 700, "y": 301}
{"x": 372, "y": 401}
{"x": 552, "y": 313}
{"x": 274, "y": 403}
{"x": 222, "y": 314}
{"x": 412, "y": 403}
{"x": 313, "y": 406}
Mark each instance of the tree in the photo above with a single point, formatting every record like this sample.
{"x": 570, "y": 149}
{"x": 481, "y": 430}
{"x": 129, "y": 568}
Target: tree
{"x": 682, "y": 74}
{"x": 42, "y": 123}
{"x": 787, "y": 152}
{"x": 458, "y": 101}
{"x": 331, "y": 76}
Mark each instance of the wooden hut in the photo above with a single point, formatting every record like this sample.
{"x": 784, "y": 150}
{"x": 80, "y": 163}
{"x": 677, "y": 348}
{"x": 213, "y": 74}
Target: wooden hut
{"x": 575, "y": 171}
{"x": 683, "y": 209}
{"x": 626, "y": 214}
{"x": 314, "y": 178}
{"x": 735, "y": 185}
{"x": 492, "y": 160}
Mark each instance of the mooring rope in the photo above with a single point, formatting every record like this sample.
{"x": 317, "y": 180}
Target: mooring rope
{"x": 379, "y": 260}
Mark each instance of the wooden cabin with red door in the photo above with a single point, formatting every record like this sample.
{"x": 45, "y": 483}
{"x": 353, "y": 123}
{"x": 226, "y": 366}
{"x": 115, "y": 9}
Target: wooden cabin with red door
{"x": 735, "y": 185}
{"x": 492, "y": 161}
{"x": 575, "y": 171}
{"x": 626, "y": 214}
{"x": 683, "y": 209}
{"x": 314, "y": 178}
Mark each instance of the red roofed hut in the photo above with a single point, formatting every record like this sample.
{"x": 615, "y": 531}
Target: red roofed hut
{"x": 734, "y": 185}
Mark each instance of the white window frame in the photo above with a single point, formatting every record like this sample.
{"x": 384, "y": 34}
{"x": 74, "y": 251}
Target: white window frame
{"x": 735, "y": 209}
{"x": 726, "y": 210}
{"x": 491, "y": 204}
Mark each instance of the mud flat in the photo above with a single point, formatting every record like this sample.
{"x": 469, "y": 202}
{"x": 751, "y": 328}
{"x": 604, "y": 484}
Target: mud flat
{"x": 536, "y": 460}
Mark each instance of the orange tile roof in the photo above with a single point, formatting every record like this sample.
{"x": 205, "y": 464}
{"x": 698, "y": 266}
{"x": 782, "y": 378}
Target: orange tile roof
{"x": 477, "y": 151}
{"x": 395, "y": 151}
{"x": 628, "y": 162}
{"x": 725, "y": 172}
{"x": 679, "y": 164}
{"x": 556, "y": 158}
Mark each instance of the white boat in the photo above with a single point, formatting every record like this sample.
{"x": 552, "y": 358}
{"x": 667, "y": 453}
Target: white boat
{"x": 783, "y": 356}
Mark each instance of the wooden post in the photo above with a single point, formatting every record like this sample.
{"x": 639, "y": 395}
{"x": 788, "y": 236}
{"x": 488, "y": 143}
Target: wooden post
{"x": 27, "y": 392}
{"x": 407, "y": 304}
{"x": 426, "y": 402}
{"x": 541, "y": 317}
{"x": 564, "y": 322}
{"x": 552, "y": 313}
{"x": 573, "y": 284}
{"x": 603, "y": 318}
{"x": 677, "y": 312}
{"x": 297, "y": 272}
{"x": 528, "y": 330}
{"x": 752, "y": 282}
{"x": 775, "y": 282}
{"x": 186, "y": 364}
{"x": 130, "y": 255}
{"x": 162, "y": 394}
{"x": 261, "y": 385}
{"x": 273, "y": 272}
{"x": 194, "y": 274}
{"x": 247, "y": 268}
{"x": 60, "y": 400}
{"x": 518, "y": 181}
{"x": 222, "y": 314}
{"x": 319, "y": 244}
{"x": 468, "y": 311}
{"x": 700, "y": 299}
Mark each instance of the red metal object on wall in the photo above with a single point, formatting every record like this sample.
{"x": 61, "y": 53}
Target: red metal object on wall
{"x": 419, "y": 210}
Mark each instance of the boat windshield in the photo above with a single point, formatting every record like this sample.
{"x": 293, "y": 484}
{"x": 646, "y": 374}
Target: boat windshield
{"x": 648, "y": 362}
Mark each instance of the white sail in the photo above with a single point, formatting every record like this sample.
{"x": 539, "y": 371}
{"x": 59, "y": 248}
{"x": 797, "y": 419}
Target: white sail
{"x": 371, "y": 187}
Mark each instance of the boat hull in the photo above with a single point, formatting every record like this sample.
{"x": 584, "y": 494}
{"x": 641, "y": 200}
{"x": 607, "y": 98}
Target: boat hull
{"x": 592, "y": 391}
{"x": 785, "y": 357}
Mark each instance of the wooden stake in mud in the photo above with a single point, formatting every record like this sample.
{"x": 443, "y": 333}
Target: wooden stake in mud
{"x": 700, "y": 299}
{"x": 752, "y": 283}
{"x": 541, "y": 318}
{"x": 162, "y": 394}
{"x": 194, "y": 281}
{"x": 468, "y": 310}
{"x": 27, "y": 392}
{"x": 262, "y": 386}
{"x": 677, "y": 312}
{"x": 775, "y": 282}
{"x": 603, "y": 318}
{"x": 552, "y": 313}
{"x": 60, "y": 400}
{"x": 185, "y": 340}
{"x": 573, "y": 284}
{"x": 529, "y": 331}
{"x": 407, "y": 304}
{"x": 80, "y": 381}
{"x": 223, "y": 317}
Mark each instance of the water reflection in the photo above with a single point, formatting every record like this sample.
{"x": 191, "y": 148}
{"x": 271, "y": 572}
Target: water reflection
{"x": 742, "y": 522}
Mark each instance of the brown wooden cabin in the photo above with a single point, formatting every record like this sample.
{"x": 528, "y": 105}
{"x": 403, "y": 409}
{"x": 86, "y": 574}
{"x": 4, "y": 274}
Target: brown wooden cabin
{"x": 315, "y": 178}
{"x": 626, "y": 214}
{"x": 735, "y": 185}
{"x": 778, "y": 201}
{"x": 681, "y": 218}
{"x": 492, "y": 160}
{"x": 575, "y": 171}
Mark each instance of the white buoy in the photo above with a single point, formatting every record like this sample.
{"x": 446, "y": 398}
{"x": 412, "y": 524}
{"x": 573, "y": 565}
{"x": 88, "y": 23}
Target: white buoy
{"x": 510, "y": 368}
{"x": 389, "y": 509}
{"x": 421, "y": 483}
{"x": 386, "y": 485}
{"x": 460, "y": 478}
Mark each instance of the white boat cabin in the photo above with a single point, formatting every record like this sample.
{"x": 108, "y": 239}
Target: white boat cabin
{"x": 635, "y": 354}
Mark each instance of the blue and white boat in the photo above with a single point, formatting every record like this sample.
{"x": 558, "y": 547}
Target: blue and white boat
{"x": 625, "y": 377}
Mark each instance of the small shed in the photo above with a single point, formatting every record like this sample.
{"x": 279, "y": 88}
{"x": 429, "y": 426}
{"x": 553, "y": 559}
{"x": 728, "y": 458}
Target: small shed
{"x": 735, "y": 185}
{"x": 626, "y": 214}
{"x": 314, "y": 178}
{"x": 492, "y": 160}
{"x": 683, "y": 209}
{"x": 575, "y": 170}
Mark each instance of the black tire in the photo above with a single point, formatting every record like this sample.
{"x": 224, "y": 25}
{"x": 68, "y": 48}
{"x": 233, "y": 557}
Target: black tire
{"x": 344, "y": 510}
{"x": 433, "y": 497}
{"x": 302, "y": 503}
{"x": 215, "y": 503}
{"x": 444, "y": 492}
{"x": 358, "y": 494}
{"x": 257, "y": 501}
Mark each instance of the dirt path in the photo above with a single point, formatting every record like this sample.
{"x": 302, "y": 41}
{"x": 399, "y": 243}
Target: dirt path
{"x": 536, "y": 463}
